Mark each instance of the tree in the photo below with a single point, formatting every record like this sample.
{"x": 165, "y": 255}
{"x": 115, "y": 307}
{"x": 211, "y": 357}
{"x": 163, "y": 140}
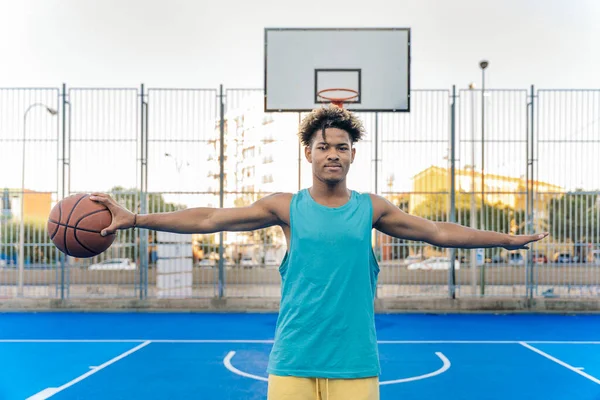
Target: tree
{"x": 131, "y": 199}
{"x": 397, "y": 248}
{"x": 575, "y": 216}
{"x": 497, "y": 217}
{"x": 204, "y": 245}
{"x": 36, "y": 241}
{"x": 38, "y": 245}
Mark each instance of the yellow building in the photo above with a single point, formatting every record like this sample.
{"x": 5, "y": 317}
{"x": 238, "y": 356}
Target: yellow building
{"x": 431, "y": 193}
{"x": 36, "y": 206}
{"x": 499, "y": 189}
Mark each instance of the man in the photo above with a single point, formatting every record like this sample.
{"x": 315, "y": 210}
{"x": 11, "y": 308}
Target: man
{"x": 325, "y": 343}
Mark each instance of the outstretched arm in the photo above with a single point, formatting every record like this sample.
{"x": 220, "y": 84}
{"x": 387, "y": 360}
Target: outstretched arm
{"x": 260, "y": 214}
{"x": 395, "y": 222}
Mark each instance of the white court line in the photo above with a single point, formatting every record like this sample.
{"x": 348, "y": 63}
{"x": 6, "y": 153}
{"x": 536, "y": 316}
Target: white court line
{"x": 229, "y": 366}
{"x": 560, "y": 342}
{"x": 44, "y": 394}
{"x": 200, "y": 341}
{"x": 71, "y": 341}
{"x": 49, "y": 392}
{"x": 483, "y": 342}
{"x": 131, "y": 341}
{"x": 564, "y": 364}
{"x": 444, "y": 368}
{"x": 446, "y": 365}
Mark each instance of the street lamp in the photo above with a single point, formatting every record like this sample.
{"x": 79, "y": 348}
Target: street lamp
{"x": 178, "y": 164}
{"x": 473, "y": 214}
{"x": 483, "y": 221}
{"x": 483, "y": 65}
{"x": 51, "y": 111}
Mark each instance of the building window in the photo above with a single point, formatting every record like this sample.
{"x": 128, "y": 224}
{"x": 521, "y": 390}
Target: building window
{"x": 267, "y": 178}
{"x": 248, "y": 153}
{"x": 248, "y": 172}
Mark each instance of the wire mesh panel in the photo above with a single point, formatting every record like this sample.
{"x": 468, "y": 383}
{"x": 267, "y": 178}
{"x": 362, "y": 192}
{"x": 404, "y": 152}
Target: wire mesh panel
{"x": 567, "y": 263}
{"x": 160, "y": 151}
{"x": 182, "y": 124}
{"x": 244, "y": 98}
{"x": 29, "y": 181}
{"x": 103, "y": 156}
{"x": 262, "y": 156}
{"x": 252, "y": 259}
{"x": 414, "y": 176}
{"x": 491, "y": 187}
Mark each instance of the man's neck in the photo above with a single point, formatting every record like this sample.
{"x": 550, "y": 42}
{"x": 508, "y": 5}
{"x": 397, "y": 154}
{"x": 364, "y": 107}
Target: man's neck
{"x": 328, "y": 193}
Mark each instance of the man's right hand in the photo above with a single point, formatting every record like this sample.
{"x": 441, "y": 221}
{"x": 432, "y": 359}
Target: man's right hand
{"x": 121, "y": 217}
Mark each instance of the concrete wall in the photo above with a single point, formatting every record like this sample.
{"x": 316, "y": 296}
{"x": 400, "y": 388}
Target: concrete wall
{"x": 485, "y": 305}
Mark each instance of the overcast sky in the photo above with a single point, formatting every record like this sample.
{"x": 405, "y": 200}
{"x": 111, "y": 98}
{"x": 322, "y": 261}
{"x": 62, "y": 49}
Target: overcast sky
{"x": 185, "y": 43}
{"x": 201, "y": 44}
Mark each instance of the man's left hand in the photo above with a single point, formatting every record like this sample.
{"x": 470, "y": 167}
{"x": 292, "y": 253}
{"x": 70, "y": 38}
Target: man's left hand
{"x": 519, "y": 242}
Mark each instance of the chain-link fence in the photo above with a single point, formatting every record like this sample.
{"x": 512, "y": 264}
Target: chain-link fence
{"x": 514, "y": 161}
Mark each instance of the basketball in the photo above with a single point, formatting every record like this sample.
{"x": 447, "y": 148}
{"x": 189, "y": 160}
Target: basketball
{"x": 74, "y": 226}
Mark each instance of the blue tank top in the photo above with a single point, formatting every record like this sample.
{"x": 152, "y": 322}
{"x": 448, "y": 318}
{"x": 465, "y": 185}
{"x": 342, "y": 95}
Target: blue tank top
{"x": 326, "y": 323}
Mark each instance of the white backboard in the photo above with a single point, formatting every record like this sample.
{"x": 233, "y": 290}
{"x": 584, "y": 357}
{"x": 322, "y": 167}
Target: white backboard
{"x": 375, "y": 62}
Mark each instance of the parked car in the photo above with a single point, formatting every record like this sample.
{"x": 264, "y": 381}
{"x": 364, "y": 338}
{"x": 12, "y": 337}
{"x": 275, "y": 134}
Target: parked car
{"x": 6, "y": 259}
{"x": 562, "y": 258}
{"x": 114, "y": 264}
{"x": 516, "y": 259}
{"x": 214, "y": 263}
{"x": 412, "y": 259}
{"x": 207, "y": 263}
{"x": 595, "y": 257}
{"x": 271, "y": 262}
{"x": 434, "y": 263}
{"x": 498, "y": 259}
{"x": 539, "y": 259}
{"x": 248, "y": 262}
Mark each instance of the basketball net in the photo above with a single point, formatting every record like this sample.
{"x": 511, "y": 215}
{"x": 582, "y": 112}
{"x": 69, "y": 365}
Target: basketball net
{"x": 338, "y": 96}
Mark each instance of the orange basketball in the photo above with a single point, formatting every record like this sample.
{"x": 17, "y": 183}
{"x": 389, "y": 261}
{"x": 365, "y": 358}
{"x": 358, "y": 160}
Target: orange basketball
{"x": 74, "y": 226}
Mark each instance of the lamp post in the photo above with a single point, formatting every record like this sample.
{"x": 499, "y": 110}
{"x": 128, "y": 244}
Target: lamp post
{"x": 51, "y": 111}
{"x": 483, "y": 221}
{"x": 473, "y": 214}
{"x": 483, "y": 65}
{"x": 178, "y": 164}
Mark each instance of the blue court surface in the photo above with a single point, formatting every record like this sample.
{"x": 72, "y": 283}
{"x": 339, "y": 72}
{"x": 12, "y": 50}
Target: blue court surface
{"x": 224, "y": 356}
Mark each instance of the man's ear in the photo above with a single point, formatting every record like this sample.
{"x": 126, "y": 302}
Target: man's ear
{"x": 353, "y": 154}
{"x": 308, "y": 153}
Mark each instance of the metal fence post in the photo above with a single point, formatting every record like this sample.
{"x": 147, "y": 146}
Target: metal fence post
{"x": 530, "y": 189}
{"x": 64, "y": 192}
{"x": 451, "y": 271}
{"x": 299, "y": 156}
{"x": 66, "y": 273}
{"x": 221, "y": 184}
{"x": 375, "y": 143}
{"x": 143, "y": 234}
{"x": 378, "y": 250}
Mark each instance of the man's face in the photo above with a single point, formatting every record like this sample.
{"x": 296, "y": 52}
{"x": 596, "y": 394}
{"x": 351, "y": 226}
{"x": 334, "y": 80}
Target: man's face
{"x": 331, "y": 155}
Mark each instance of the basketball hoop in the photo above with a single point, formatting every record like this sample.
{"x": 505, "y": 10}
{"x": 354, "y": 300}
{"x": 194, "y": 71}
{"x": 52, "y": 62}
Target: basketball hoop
{"x": 338, "y": 96}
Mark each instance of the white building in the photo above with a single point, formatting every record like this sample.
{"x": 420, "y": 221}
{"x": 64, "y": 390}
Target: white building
{"x": 261, "y": 157}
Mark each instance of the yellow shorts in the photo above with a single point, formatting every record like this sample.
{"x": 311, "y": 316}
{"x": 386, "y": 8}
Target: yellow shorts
{"x": 292, "y": 388}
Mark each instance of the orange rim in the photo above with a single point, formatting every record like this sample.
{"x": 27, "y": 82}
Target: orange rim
{"x": 338, "y": 101}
